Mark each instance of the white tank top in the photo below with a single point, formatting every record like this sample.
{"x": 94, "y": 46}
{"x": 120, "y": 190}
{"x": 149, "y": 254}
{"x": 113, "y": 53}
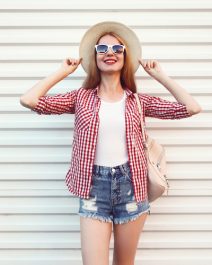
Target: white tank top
{"x": 111, "y": 149}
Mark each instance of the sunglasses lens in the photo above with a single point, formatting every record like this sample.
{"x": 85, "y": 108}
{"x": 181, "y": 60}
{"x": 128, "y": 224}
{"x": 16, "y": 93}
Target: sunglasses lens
{"x": 118, "y": 48}
{"x": 101, "y": 48}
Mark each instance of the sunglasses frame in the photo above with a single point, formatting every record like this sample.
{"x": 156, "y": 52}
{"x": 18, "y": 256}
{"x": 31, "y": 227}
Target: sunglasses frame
{"x": 109, "y": 46}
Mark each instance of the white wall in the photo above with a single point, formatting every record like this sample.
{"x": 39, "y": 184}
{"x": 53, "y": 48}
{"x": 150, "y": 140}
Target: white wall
{"x": 38, "y": 216}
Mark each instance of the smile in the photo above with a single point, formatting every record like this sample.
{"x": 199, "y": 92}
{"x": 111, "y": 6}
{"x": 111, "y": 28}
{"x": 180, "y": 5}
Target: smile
{"x": 109, "y": 61}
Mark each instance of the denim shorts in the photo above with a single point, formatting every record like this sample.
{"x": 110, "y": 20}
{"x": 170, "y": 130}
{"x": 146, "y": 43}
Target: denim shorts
{"x": 111, "y": 197}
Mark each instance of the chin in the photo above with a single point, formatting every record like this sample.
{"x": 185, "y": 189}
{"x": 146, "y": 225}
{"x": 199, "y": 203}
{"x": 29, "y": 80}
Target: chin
{"x": 110, "y": 70}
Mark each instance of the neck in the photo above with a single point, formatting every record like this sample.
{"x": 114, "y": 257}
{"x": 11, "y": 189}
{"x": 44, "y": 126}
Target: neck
{"x": 110, "y": 84}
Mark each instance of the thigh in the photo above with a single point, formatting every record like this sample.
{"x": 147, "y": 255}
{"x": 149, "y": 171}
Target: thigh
{"x": 126, "y": 238}
{"x": 95, "y": 241}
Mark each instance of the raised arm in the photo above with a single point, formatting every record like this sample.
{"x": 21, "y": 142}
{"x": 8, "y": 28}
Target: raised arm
{"x": 152, "y": 67}
{"x": 35, "y": 96}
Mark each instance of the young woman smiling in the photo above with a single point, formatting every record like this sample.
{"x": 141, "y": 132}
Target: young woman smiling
{"x": 108, "y": 169}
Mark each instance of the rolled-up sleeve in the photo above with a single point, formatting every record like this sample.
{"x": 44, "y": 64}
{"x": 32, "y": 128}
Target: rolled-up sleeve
{"x": 58, "y": 104}
{"x": 163, "y": 109}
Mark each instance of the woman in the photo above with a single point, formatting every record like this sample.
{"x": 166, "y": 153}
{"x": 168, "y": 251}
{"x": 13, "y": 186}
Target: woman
{"x": 106, "y": 172}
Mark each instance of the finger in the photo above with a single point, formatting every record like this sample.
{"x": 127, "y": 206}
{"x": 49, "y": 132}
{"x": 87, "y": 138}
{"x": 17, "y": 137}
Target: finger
{"x": 73, "y": 62}
{"x": 155, "y": 63}
{"x": 144, "y": 63}
{"x": 141, "y": 62}
{"x": 149, "y": 64}
{"x": 70, "y": 61}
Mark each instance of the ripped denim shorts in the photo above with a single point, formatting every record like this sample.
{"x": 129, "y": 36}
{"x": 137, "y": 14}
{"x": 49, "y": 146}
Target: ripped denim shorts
{"x": 112, "y": 196}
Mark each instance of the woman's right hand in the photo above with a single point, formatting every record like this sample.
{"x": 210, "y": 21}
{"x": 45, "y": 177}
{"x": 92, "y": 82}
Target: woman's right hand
{"x": 69, "y": 65}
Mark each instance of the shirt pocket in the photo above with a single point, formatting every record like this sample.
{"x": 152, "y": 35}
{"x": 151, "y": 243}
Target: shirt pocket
{"x": 83, "y": 117}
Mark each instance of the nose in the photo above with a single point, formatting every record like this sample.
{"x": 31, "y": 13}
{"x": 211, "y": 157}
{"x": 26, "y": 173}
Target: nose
{"x": 110, "y": 51}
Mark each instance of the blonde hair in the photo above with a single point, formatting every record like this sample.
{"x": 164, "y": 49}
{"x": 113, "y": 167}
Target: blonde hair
{"x": 127, "y": 77}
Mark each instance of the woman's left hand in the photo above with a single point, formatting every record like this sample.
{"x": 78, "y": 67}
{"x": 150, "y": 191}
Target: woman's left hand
{"x": 152, "y": 67}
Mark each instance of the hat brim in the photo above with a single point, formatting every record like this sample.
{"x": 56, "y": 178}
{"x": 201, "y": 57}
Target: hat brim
{"x": 93, "y": 34}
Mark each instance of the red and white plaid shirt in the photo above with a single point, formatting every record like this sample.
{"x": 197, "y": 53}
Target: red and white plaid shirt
{"x": 85, "y": 104}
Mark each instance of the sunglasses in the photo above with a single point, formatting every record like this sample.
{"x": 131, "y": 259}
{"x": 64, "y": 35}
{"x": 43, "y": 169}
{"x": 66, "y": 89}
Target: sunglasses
{"x": 103, "y": 48}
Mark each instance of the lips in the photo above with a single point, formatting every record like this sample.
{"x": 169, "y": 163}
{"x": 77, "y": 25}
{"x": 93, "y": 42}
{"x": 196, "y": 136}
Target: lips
{"x": 110, "y": 61}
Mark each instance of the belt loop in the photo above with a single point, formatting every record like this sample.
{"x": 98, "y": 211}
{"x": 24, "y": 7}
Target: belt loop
{"x": 125, "y": 166}
{"x": 123, "y": 170}
{"x": 97, "y": 169}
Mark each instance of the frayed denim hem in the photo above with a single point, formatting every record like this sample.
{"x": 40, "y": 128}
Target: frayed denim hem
{"x": 95, "y": 216}
{"x": 132, "y": 218}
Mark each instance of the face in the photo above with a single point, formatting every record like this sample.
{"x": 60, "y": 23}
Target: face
{"x": 117, "y": 60}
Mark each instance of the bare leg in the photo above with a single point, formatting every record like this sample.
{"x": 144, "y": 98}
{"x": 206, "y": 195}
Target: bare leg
{"x": 126, "y": 238}
{"x": 95, "y": 241}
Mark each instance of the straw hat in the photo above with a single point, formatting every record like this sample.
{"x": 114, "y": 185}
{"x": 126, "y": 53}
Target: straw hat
{"x": 93, "y": 34}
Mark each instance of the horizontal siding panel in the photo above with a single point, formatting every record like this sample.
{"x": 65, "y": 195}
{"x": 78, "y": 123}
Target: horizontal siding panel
{"x": 146, "y": 260}
{"x": 163, "y": 52}
{"x": 74, "y": 36}
{"x": 165, "y": 204}
{"x": 177, "y": 187}
{"x": 83, "y": 5}
{"x": 191, "y": 185}
{"x": 166, "y": 240}
{"x": 50, "y": 121}
{"x": 166, "y": 224}
{"x": 17, "y": 107}
{"x": 53, "y": 137}
{"x": 38, "y": 184}
{"x": 37, "y": 192}
{"x": 64, "y": 193}
{"x": 178, "y": 203}
{"x": 192, "y": 122}
{"x": 51, "y": 171}
{"x": 196, "y": 86}
{"x": 70, "y": 19}
{"x": 65, "y": 137}
{"x": 13, "y": 104}
{"x": 62, "y": 154}
{"x": 67, "y": 257}
{"x": 40, "y": 70}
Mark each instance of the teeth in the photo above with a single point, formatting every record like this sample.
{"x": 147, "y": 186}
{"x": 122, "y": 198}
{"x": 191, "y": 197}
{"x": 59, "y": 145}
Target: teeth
{"x": 110, "y": 61}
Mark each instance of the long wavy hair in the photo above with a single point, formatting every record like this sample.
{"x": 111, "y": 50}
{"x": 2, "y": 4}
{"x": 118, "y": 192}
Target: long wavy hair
{"x": 127, "y": 77}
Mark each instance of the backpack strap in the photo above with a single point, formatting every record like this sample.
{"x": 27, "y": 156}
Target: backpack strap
{"x": 143, "y": 127}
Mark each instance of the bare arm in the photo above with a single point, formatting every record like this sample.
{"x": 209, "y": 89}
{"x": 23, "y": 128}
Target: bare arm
{"x": 180, "y": 94}
{"x": 153, "y": 68}
{"x": 30, "y": 98}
